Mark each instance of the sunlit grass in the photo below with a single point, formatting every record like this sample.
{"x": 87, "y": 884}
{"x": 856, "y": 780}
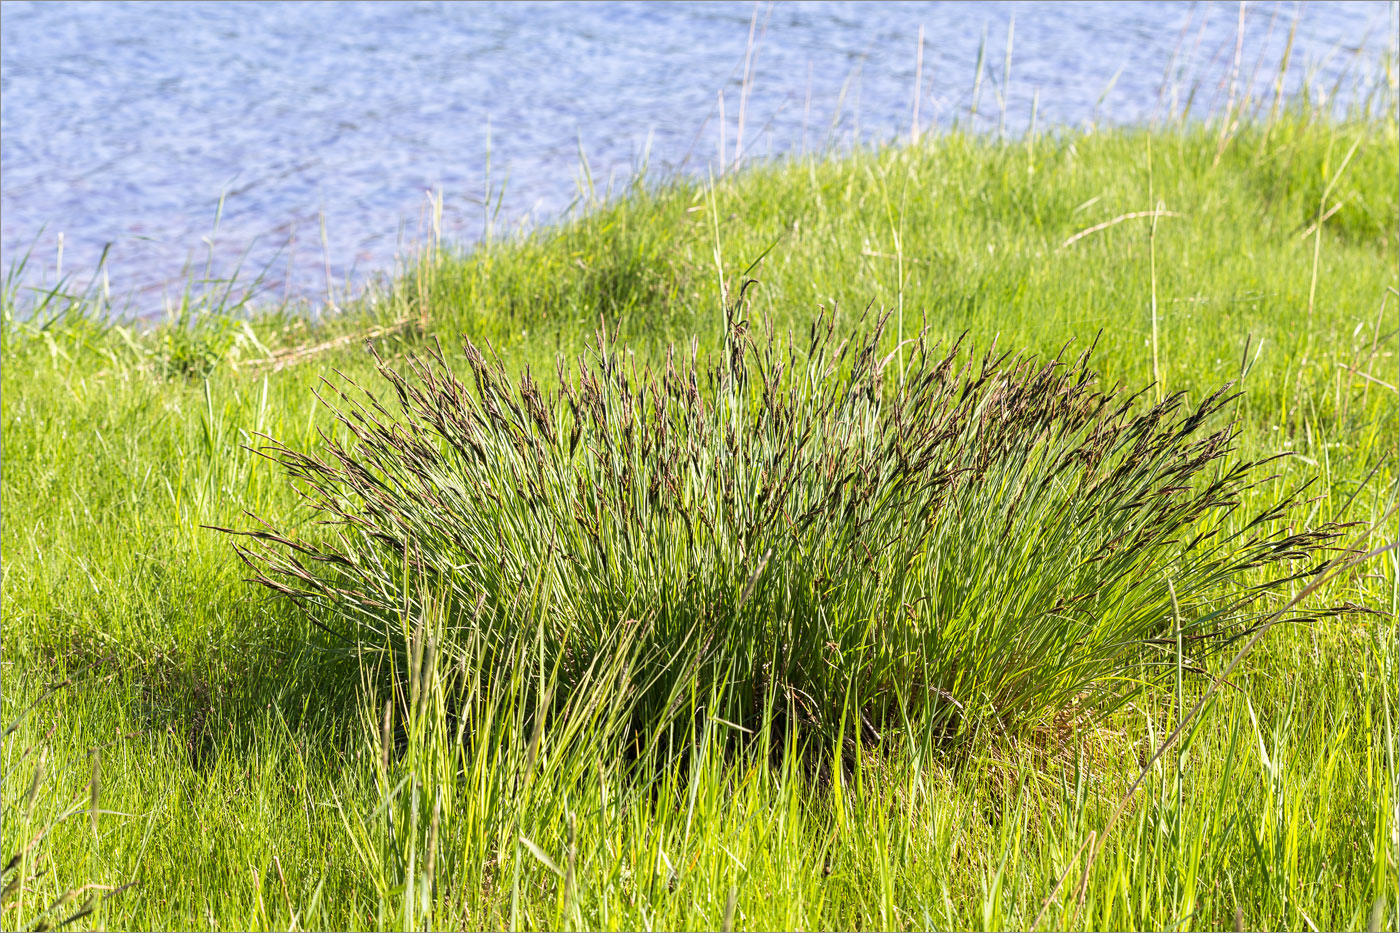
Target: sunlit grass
{"x": 244, "y": 777}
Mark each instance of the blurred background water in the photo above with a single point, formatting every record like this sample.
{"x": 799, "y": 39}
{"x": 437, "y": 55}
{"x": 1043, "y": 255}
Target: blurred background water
{"x": 322, "y": 125}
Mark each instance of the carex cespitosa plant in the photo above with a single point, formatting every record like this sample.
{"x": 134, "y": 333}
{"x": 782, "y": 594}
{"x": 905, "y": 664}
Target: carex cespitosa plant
{"x": 793, "y": 526}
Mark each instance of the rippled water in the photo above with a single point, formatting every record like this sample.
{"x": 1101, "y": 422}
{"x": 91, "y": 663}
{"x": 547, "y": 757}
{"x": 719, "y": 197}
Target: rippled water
{"x": 123, "y": 123}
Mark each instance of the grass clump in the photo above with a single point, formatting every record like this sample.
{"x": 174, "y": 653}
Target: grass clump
{"x": 955, "y": 539}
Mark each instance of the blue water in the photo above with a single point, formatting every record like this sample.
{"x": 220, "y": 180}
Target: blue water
{"x": 123, "y": 123}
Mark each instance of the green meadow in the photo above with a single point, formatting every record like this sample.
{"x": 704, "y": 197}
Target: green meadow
{"x": 469, "y": 713}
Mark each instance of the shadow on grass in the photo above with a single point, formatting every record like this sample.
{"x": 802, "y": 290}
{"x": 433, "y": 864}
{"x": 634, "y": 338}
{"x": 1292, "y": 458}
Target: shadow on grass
{"x": 211, "y": 701}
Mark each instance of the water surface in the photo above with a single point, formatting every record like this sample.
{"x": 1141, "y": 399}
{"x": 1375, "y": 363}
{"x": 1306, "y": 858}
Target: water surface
{"x": 123, "y": 123}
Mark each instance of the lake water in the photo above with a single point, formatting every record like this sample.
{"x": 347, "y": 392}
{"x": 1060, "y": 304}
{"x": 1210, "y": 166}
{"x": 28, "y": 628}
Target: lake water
{"x": 122, "y": 123}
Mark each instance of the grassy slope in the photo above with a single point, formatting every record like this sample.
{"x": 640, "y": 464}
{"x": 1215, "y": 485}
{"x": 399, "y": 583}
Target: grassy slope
{"x": 237, "y": 765}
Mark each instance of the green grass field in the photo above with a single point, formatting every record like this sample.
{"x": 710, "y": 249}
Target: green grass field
{"x": 184, "y": 751}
